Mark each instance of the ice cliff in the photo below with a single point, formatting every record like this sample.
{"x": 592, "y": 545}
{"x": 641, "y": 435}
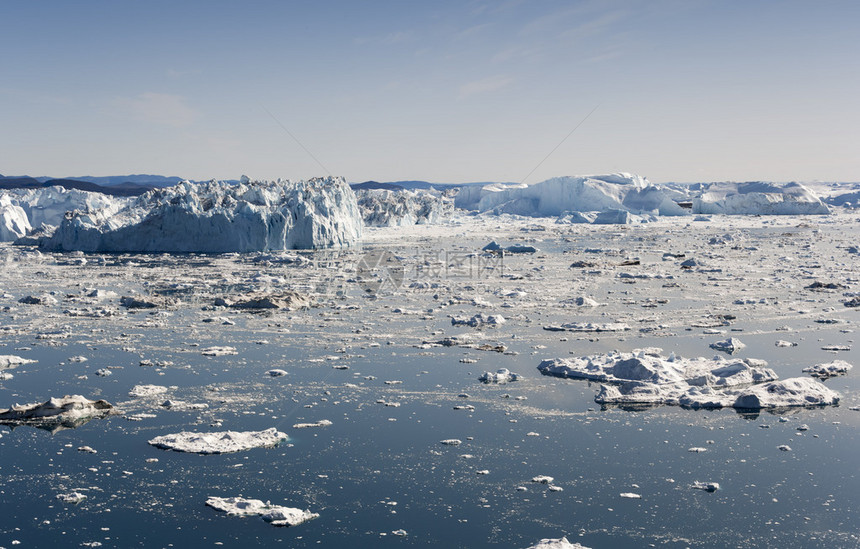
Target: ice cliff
{"x": 758, "y": 198}
{"x": 386, "y": 208}
{"x": 13, "y": 220}
{"x": 554, "y": 197}
{"x": 217, "y": 217}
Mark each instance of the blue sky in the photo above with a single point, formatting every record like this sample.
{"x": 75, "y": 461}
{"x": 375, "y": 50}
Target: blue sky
{"x": 685, "y": 90}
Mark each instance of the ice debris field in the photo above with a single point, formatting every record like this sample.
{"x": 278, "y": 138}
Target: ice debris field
{"x": 591, "y": 361}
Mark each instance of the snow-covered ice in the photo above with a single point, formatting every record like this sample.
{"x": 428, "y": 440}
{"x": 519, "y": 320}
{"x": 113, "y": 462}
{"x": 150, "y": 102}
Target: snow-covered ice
{"x": 219, "y": 442}
{"x": 273, "y": 514}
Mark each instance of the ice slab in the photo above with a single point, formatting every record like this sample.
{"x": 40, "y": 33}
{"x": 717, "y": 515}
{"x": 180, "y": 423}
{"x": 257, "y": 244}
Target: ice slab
{"x": 219, "y": 442}
{"x": 559, "y": 543}
{"x": 65, "y": 412}
{"x": 274, "y": 514}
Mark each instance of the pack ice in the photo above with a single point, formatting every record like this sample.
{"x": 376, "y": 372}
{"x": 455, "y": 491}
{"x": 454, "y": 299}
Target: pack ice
{"x": 217, "y": 217}
{"x": 559, "y": 543}
{"x": 553, "y": 197}
{"x": 645, "y": 377}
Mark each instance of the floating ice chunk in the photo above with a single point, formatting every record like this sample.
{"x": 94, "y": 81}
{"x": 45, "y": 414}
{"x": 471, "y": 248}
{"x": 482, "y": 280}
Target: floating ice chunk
{"x": 542, "y": 479}
{"x": 502, "y": 375}
{"x": 142, "y": 391}
{"x": 219, "y": 351}
{"x": 784, "y": 448}
{"x": 559, "y": 543}
{"x": 478, "y": 321}
{"x": 219, "y": 442}
{"x": 630, "y": 495}
{"x": 782, "y": 343}
{"x": 72, "y": 497}
{"x": 276, "y": 373}
{"x": 730, "y": 345}
{"x": 182, "y": 406}
{"x": 286, "y": 300}
{"x": 320, "y": 423}
{"x": 829, "y": 369}
{"x": 103, "y": 372}
{"x": 706, "y": 486}
{"x": 273, "y": 514}
{"x": 11, "y": 361}
{"x": 697, "y": 449}
{"x": 44, "y": 299}
{"x": 57, "y": 413}
{"x": 589, "y": 327}
{"x": 451, "y": 442}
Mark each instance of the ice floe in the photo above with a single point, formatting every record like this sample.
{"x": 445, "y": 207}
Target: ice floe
{"x": 557, "y": 543}
{"x": 501, "y": 376}
{"x": 829, "y": 369}
{"x": 142, "y": 391}
{"x": 219, "y": 442}
{"x": 273, "y": 514}
{"x": 66, "y": 412}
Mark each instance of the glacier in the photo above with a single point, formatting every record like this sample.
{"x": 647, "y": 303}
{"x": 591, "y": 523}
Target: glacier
{"x": 217, "y": 217}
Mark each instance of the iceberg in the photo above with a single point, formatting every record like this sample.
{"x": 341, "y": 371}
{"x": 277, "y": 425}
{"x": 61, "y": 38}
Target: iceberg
{"x": 219, "y": 442}
{"x": 759, "y": 198}
{"x": 218, "y": 217}
{"x": 387, "y": 208}
{"x": 559, "y": 543}
{"x": 13, "y": 220}
{"x": 56, "y": 414}
{"x": 644, "y": 377}
{"x": 561, "y": 195}
{"x": 273, "y": 514}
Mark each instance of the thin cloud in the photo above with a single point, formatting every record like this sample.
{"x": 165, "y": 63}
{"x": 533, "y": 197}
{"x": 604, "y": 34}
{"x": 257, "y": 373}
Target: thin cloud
{"x": 484, "y": 85}
{"x": 161, "y": 109}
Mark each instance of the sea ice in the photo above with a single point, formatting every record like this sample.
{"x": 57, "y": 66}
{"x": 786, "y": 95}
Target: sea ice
{"x": 141, "y": 391}
{"x": 730, "y": 345}
{"x": 11, "y": 361}
{"x": 273, "y": 514}
{"x": 219, "y": 442}
{"x": 706, "y": 486}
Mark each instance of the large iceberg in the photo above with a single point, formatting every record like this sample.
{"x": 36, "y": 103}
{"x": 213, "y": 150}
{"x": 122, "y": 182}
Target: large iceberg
{"x": 554, "y": 197}
{"x": 758, "y": 198}
{"x": 645, "y": 377}
{"x": 13, "y": 220}
{"x": 48, "y": 205}
{"x": 217, "y": 217}
{"x": 387, "y": 208}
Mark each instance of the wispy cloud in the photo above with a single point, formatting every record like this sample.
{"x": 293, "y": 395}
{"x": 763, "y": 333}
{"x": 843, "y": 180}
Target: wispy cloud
{"x": 157, "y": 108}
{"x": 484, "y": 85}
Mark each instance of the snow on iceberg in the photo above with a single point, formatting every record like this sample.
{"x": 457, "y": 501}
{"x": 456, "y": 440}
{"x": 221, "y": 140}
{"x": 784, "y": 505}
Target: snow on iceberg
{"x": 561, "y": 195}
{"x": 273, "y": 514}
{"x": 217, "y": 217}
{"x": 13, "y": 220}
{"x": 758, "y": 198}
{"x": 219, "y": 442}
{"x": 387, "y": 208}
{"x": 826, "y": 370}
